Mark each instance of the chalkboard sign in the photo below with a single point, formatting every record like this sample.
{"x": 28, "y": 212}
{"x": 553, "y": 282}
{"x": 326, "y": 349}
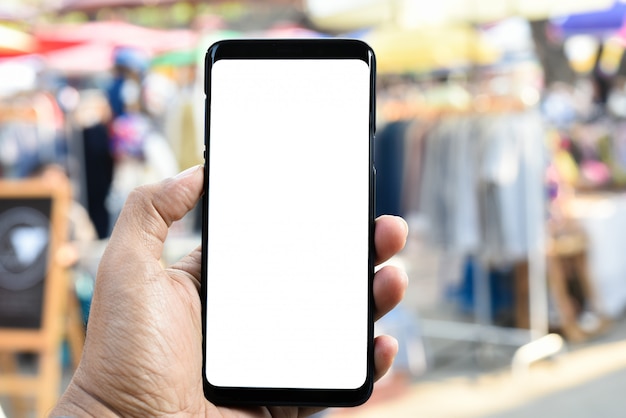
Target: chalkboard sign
{"x": 33, "y": 285}
{"x": 24, "y": 243}
{"x": 33, "y": 226}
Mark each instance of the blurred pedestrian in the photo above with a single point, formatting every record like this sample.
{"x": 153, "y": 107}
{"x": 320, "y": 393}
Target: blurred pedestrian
{"x": 140, "y": 152}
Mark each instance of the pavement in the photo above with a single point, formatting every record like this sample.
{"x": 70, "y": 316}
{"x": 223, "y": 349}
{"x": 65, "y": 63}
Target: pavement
{"x": 585, "y": 381}
{"x": 462, "y": 379}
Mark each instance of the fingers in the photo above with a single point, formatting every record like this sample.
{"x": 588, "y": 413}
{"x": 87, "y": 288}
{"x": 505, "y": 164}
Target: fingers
{"x": 389, "y": 236}
{"x": 150, "y": 210}
{"x": 385, "y": 350}
{"x": 390, "y": 283}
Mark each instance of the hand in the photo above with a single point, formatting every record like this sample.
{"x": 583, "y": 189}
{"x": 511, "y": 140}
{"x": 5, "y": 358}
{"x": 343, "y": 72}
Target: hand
{"x": 143, "y": 351}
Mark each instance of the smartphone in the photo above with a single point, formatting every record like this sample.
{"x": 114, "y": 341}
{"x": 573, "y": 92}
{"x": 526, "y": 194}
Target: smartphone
{"x": 288, "y": 222}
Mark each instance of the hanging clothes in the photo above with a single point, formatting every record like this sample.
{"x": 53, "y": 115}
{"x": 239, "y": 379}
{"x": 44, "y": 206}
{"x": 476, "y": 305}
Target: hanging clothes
{"x": 414, "y": 148}
{"x": 448, "y": 195}
{"x": 389, "y": 162}
{"x": 481, "y": 187}
{"x": 512, "y": 178}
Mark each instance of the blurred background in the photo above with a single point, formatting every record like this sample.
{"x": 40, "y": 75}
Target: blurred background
{"x": 501, "y": 138}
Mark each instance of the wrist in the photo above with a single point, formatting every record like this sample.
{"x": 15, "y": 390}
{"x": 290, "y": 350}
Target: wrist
{"x": 77, "y": 402}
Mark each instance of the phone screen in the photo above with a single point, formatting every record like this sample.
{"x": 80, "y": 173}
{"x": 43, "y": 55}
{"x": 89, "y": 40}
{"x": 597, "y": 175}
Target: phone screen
{"x": 288, "y": 227}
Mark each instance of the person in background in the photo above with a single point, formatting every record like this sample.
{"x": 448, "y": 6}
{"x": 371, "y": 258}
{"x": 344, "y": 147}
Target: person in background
{"x": 92, "y": 116}
{"x": 129, "y": 67}
{"x": 140, "y": 152}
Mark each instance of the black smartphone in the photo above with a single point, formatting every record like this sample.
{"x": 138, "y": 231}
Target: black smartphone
{"x": 288, "y": 222}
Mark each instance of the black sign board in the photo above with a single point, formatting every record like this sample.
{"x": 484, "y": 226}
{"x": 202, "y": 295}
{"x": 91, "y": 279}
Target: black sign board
{"x": 25, "y": 235}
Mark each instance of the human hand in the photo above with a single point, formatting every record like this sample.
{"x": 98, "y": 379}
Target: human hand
{"x": 143, "y": 351}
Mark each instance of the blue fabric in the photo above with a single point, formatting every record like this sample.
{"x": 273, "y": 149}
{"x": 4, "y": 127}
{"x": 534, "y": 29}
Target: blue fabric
{"x": 501, "y": 289}
{"x": 114, "y": 94}
{"x": 131, "y": 58}
{"x": 595, "y": 22}
{"x": 389, "y": 162}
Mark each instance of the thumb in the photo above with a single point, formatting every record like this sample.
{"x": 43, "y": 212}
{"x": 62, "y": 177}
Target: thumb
{"x": 150, "y": 210}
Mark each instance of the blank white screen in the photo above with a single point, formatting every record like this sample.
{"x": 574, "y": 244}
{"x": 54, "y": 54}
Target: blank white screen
{"x": 287, "y": 269}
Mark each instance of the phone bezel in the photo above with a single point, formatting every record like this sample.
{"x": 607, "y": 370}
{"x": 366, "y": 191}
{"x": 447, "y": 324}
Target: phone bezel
{"x": 291, "y": 49}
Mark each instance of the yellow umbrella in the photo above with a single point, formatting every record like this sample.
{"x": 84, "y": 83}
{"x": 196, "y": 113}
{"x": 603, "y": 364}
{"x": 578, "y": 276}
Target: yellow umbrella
{"x": 343, "y": 16}
{"x": 399, "y": 50}
{"x": 14, "y": 42}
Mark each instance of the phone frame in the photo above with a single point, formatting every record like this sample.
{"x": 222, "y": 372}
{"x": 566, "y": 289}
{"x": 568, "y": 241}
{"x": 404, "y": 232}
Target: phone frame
{"x": 291, "y": 49}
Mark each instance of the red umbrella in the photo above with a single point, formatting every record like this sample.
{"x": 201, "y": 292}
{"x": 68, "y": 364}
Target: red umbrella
{"x": 16, "y": 43}
{"x": 95, "y": 43}
{"x": 81, "y": 59}
{"x": 118, "y": 33}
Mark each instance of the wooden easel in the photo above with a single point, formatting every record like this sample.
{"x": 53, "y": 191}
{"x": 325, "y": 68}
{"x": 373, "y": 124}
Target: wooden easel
{"x": 59, "y": 304}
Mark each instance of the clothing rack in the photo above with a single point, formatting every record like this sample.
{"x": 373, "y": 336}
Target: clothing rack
{"x": 536, "y": 342}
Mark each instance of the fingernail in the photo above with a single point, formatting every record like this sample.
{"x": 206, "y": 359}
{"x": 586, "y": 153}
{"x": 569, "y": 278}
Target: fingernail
{"x": 187, "y": 172}
{"x": 405, "y": 280}
{"x": 405, "y": 225}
